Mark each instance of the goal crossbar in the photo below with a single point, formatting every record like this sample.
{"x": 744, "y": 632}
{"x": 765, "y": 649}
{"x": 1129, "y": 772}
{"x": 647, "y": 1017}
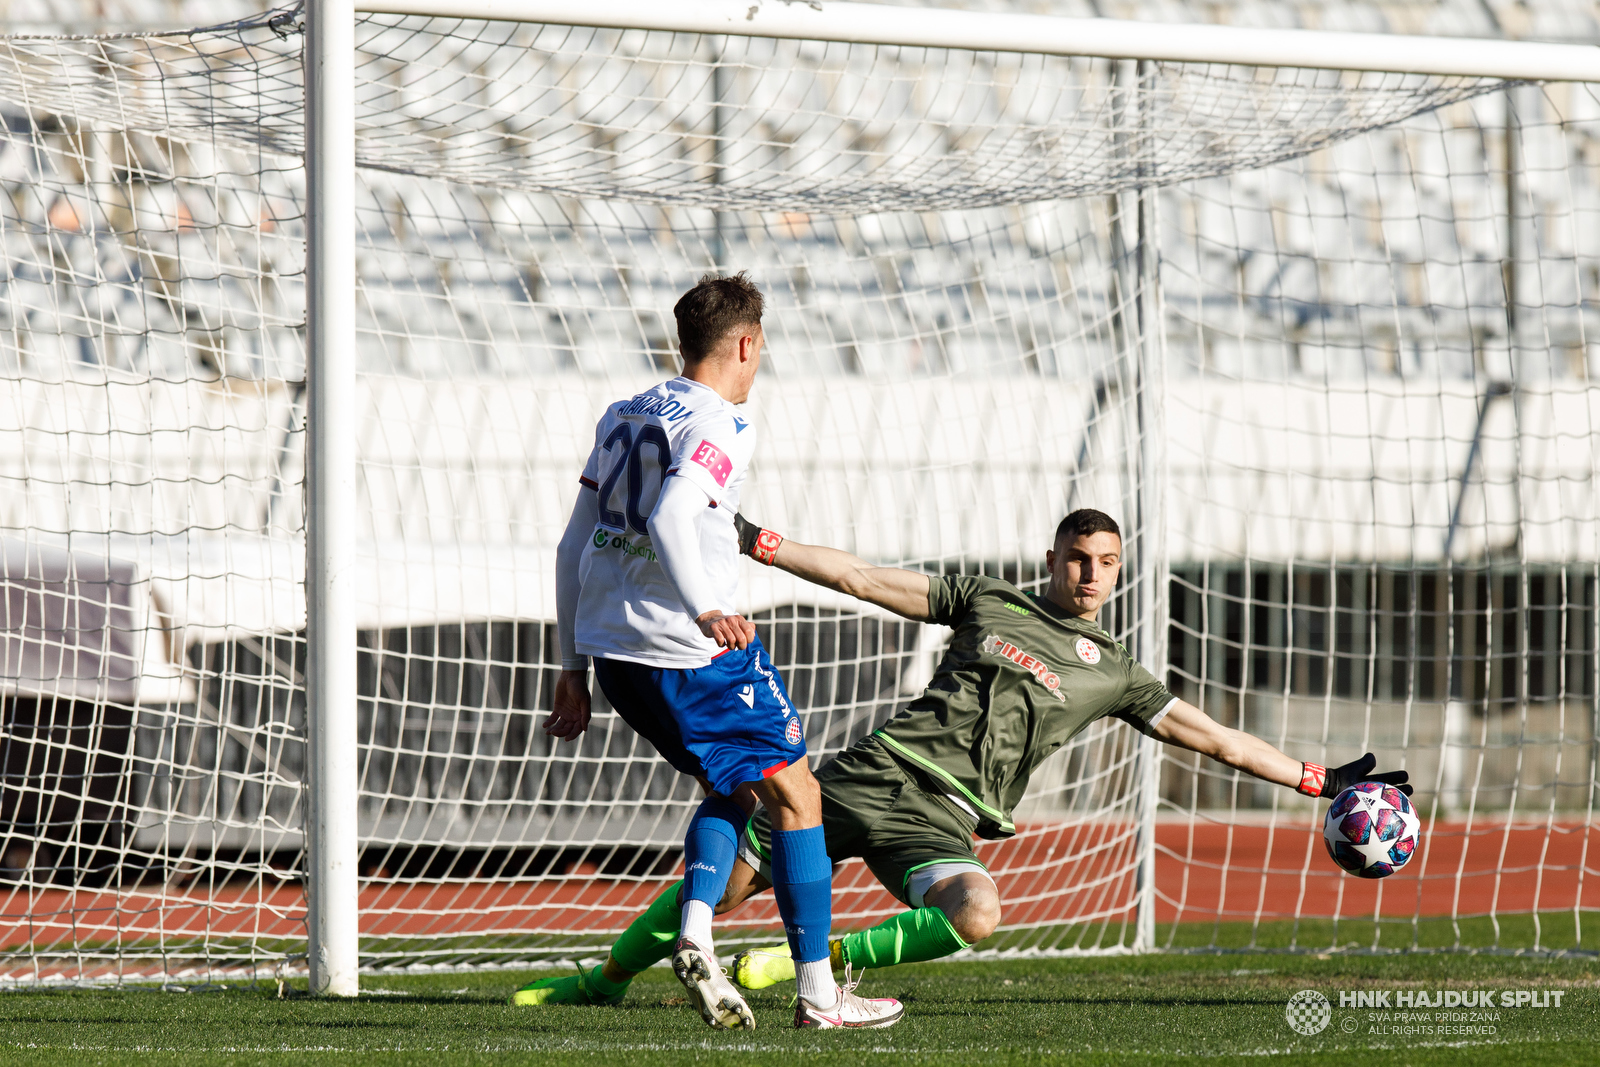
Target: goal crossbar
{"x": 880, "y": 24}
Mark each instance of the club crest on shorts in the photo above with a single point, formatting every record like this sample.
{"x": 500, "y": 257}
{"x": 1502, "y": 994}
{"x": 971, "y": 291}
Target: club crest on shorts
{"x": 791, "y": 733}
{"x": 1087, "y": 651}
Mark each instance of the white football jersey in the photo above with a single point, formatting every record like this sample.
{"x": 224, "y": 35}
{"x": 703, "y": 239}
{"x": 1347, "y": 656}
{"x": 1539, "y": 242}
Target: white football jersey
{"x": 628, "y": 608}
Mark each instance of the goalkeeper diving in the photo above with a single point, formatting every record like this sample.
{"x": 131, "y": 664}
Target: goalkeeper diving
{"x": 1022, "y": 676}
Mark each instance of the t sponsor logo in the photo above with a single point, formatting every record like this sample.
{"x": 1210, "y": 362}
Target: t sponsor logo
{"x": 714, "y": 460}
{"x": 994, "y": 645}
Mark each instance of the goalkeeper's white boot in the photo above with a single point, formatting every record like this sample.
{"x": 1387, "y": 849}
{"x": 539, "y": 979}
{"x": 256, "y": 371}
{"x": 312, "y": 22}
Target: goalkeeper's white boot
{"x": 851, "y": 1012}
{"x": 721, "y": 1004}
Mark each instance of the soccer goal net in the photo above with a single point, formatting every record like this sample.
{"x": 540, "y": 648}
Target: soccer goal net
{"x": 1318, "y": 339}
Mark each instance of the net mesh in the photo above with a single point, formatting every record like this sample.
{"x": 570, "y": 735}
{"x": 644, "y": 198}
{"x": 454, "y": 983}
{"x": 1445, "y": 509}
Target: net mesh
{"x": 1001, "y": 286}
{"x": 1383, "y": 521}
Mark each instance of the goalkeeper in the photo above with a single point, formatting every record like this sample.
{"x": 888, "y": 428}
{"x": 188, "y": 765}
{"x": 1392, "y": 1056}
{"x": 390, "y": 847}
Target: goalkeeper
{"x": 1022, "y": 676}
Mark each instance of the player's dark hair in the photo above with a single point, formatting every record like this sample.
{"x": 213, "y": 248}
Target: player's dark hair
{"x": 712, "y": 308}
{"x": 1086, "y": 521}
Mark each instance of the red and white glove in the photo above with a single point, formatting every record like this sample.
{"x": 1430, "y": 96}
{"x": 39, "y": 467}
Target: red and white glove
{"x": 1319, "y": 781}
{"x": 760, "y": 545}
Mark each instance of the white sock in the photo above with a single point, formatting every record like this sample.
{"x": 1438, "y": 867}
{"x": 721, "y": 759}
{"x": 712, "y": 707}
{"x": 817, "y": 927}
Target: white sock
{"x": 816, "y": 983}
{"x": 696, "y": 924}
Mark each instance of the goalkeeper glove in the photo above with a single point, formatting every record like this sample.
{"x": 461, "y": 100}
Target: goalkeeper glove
{"x": 760, "y": 545}
{"x": 1319, "y": 781}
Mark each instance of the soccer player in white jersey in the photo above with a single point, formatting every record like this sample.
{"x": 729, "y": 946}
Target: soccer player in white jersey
{"x": 646, "y": 576}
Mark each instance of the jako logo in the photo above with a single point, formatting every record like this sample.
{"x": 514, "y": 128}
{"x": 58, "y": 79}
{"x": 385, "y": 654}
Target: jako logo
{"x": 994, "y": 646}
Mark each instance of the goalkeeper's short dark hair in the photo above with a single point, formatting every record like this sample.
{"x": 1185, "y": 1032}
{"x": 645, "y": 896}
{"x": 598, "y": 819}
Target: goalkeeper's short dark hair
{"x": 718, "y": 304}
{"x": 1086, "y": 521}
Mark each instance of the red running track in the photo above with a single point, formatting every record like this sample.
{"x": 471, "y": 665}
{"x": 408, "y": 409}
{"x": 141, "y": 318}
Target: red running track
{"x": 1200, "y": 868}
{"x": 1241, "y": 869}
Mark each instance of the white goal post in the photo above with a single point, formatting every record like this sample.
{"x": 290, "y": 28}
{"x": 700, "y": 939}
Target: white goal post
{"x": 1309, "y": 312}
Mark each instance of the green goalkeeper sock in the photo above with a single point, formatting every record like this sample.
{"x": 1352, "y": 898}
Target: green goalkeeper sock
{"x": 649, "y": 938}
{"x": 910, "y": 937}
{"x": 603, "y": 985}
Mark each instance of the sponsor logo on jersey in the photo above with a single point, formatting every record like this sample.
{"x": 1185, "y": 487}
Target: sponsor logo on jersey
{"x": 748, "y": 695}
{"x": 791, "y": 733}
{"x": 1087, "y": 651}
{"x": 1019, "y": 609}
{"x": 994, "y": 645}
{"x": 604, "y": 537}
{"x": 738, "y": 424}
{"x": 714, "y": 460}
{"x": 698, "y": 866}
{"x": 662, "y": 407}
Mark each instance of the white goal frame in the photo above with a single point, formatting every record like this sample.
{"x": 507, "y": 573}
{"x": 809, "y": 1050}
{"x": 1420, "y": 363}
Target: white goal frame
{"x": 331, "y": 678}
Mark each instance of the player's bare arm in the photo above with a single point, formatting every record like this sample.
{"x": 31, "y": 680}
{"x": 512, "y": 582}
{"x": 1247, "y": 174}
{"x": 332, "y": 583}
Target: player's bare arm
{"x": 1186, "y": 726}
{"x": 901, "y": 591}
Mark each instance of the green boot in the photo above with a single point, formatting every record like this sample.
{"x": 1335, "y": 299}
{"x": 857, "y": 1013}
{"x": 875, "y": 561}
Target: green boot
{"x": 577, "y": 988}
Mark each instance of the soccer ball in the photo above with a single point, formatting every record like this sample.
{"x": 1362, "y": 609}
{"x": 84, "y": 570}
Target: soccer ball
{"x": 1371, "y": 830}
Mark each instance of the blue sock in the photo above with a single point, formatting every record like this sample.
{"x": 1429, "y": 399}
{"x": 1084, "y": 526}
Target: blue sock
{"x": 802, "y": 880}
{"x": 709, "y": 849}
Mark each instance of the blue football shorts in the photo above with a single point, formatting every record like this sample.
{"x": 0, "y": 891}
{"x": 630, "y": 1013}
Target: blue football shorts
{"x": 729, "y": 722}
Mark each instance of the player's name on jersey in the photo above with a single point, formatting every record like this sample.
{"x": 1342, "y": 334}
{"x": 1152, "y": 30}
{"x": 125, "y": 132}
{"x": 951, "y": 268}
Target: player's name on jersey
{"x": 669, "y": 408}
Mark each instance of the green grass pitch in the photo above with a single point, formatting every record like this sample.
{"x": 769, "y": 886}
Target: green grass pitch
{"x": 1118, "y": 1010}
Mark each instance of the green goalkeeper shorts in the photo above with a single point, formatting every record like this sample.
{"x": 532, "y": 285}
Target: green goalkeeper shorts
{"x": 877, "y": 808}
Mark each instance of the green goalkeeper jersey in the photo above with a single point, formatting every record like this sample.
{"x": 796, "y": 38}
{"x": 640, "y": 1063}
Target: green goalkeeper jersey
{"x": 1020, "y": 679}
